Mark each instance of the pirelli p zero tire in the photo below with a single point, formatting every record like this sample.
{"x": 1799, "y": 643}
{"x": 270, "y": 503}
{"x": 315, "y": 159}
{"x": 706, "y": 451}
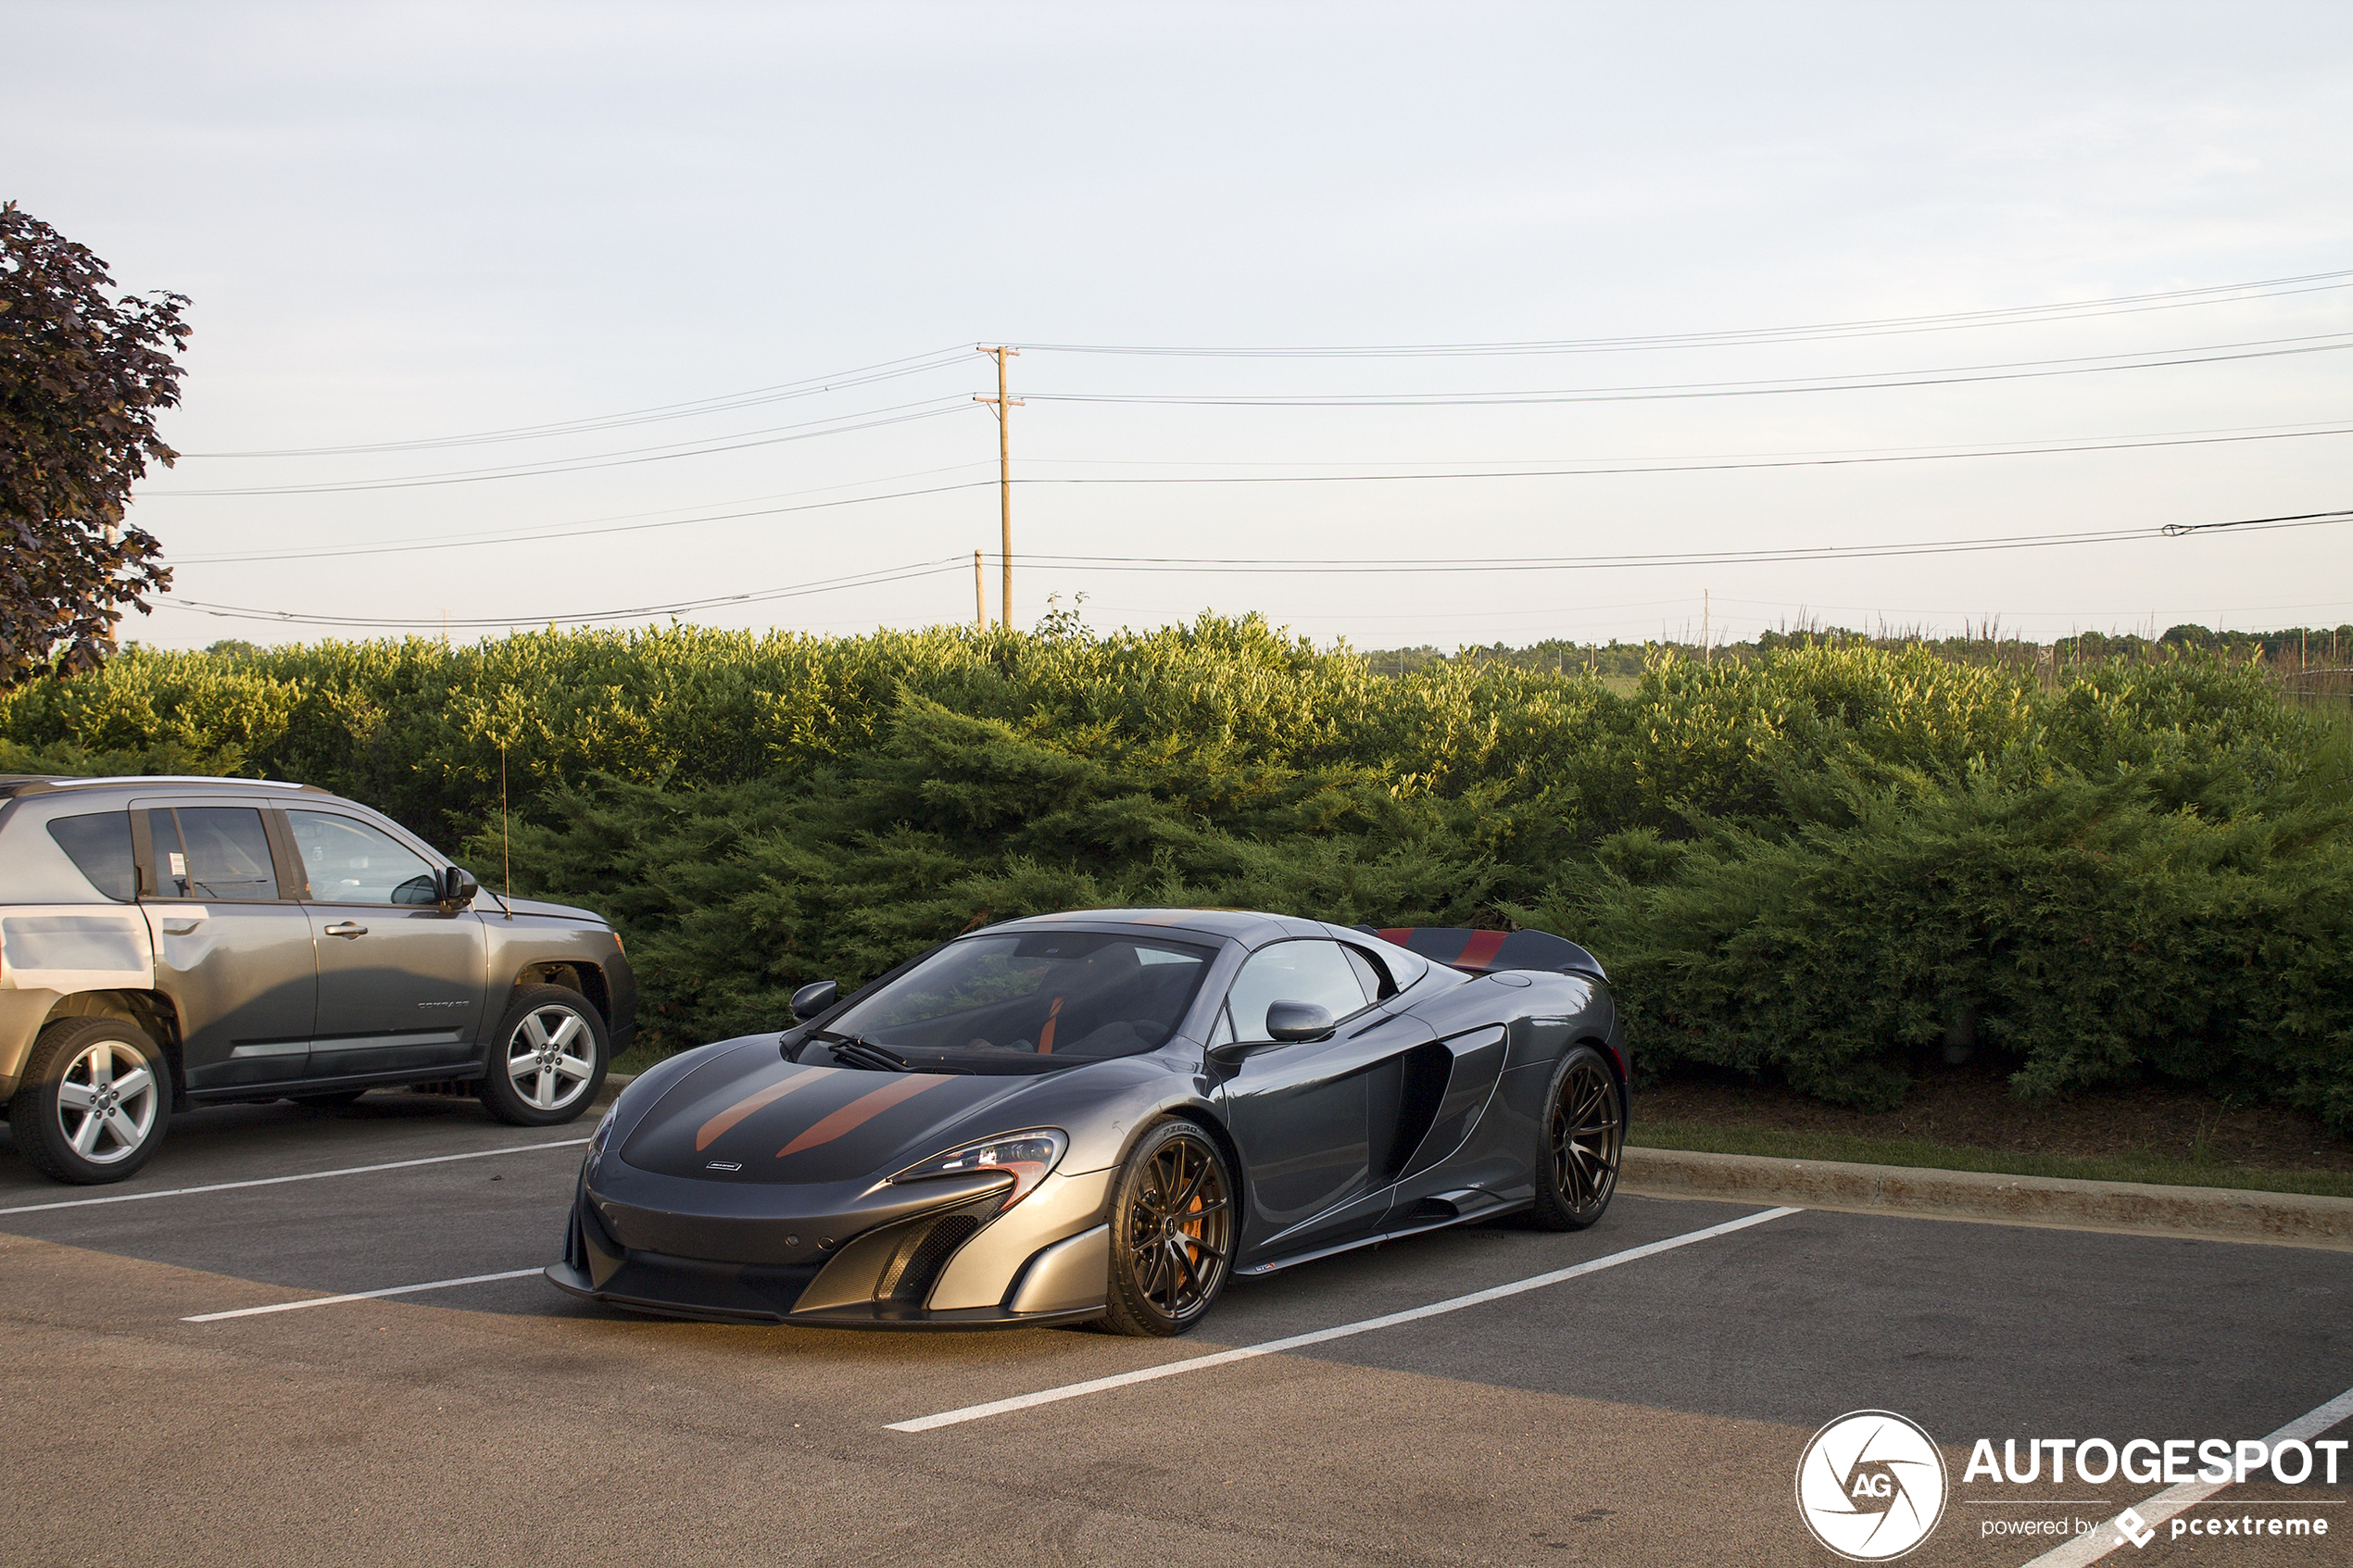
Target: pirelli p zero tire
{"x": 1172, "y": 1232}
{"x": 547, "y": 1060}
{"x": 1581, "y": 1140}
{"x": 94, "y": 1101}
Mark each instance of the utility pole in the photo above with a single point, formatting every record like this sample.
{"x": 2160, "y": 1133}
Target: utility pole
{"x": 1004, "y": 406}
{"x": 980, "y": 601}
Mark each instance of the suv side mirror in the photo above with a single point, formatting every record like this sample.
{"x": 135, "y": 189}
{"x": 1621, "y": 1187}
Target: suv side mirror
{"x": 814, "y": 999}
{"x": 458, "y": 887}
{"x": 1299, "y": 1020}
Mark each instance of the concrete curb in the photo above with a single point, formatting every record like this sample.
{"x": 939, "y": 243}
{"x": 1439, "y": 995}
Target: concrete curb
{"x": 2204, "y": 1213}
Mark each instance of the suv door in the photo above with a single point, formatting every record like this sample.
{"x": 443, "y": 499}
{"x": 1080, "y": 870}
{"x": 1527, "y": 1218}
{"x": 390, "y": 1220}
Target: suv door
{"x": 400, "y": 978}
{"x": 233, "y": 947}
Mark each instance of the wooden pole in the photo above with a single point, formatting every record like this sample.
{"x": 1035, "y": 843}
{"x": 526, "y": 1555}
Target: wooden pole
{"x": 980, "y": 597}
{"x": 1004, "y": 405}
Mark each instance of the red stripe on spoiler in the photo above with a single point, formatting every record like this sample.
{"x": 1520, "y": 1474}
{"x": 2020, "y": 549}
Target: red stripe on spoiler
{"x": 1481, "y": 949}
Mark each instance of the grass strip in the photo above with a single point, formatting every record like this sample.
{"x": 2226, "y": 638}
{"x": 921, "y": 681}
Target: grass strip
{"x": 1701, "y": 1138}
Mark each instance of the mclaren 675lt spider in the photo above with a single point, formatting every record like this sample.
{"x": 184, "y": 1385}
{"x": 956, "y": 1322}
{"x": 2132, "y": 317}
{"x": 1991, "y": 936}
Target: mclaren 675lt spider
{"x": 1105, "y": 1114}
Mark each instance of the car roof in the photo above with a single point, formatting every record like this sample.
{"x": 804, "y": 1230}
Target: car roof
{"x": 14, "y": 784}
{"x": 1247, "y": 926}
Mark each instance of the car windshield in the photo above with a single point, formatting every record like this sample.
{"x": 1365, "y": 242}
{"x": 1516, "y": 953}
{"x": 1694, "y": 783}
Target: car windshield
{"x": 1031, "y": 1002}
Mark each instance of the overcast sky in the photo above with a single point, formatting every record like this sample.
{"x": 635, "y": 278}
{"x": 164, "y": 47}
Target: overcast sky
{"x": 409, "y": 223}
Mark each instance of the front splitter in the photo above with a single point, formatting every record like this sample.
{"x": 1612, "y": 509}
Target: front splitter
{"x": 575, "y": 1282}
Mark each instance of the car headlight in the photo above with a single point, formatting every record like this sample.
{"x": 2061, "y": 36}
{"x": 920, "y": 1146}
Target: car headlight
{"x": 1027, "y": 1157}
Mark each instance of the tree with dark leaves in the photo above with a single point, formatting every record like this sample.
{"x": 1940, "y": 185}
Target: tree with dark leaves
{"x": 82, "y": 377}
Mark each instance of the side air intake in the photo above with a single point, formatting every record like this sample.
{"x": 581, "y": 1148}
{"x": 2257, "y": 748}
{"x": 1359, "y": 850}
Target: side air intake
{"x": 914, "y": 1266}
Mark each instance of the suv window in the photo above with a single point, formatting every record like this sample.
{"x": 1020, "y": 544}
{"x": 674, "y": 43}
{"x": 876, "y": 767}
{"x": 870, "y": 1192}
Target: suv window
{"x": 99, "y": 847}
{"x": 349, "y": 863}
{"x": 219, "y": 852}
{"x": 1312, "y": 971}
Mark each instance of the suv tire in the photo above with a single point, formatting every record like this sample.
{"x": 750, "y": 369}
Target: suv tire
{"x": 547, "y": 1060}
{"x": 94, "y": 1102}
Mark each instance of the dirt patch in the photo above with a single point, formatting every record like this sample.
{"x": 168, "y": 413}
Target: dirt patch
{"x": 1976, "y": 1111}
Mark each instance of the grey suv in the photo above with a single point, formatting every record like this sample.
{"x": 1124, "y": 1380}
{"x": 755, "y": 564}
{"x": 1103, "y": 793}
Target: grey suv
{"x": 169, "y": 942}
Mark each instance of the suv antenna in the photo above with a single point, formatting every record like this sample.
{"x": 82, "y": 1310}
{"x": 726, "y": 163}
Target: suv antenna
{"x": 506, "y": 852}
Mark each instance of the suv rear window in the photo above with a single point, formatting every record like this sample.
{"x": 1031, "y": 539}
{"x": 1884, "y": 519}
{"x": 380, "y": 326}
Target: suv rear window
{"x": 219, "y": 852}
{"x": 99, "y": 845}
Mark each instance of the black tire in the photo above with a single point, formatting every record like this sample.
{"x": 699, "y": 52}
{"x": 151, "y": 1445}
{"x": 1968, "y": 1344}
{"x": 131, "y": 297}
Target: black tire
{"x": 1581, "y": 1139}
{"x": 330, "y": 1099}
{"x": 78, "y": 1114}
{"x": 557, "y": 1092}
{"x": 1166, "y": 1271}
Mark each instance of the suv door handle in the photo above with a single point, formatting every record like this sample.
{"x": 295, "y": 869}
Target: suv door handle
{"x": 345, "y": 928}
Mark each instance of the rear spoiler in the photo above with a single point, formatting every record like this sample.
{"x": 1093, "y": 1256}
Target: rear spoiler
{"x": 1484, "y": 952}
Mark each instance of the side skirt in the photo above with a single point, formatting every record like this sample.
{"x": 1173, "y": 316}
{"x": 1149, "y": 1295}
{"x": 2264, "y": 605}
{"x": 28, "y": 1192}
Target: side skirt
{"x": 1491, "y": 1212}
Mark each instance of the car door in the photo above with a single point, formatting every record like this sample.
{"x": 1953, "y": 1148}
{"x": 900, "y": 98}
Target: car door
{"x": 1314, "y": 1120}
{"x": 401, "y": 979}
{"x": 232, "y": 946}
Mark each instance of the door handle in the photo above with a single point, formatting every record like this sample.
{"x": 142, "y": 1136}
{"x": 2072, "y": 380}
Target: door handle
{"x": 345, "y": 928}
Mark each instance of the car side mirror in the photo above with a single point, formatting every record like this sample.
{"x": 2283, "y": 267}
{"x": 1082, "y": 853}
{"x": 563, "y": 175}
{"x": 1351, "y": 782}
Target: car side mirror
{"x": 814, "y": 999}
{"x": 1299, "y": 1021}
{"x": 458, "y": 887}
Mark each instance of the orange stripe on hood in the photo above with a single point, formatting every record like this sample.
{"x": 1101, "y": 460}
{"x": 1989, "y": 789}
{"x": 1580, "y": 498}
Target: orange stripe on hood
{"x": 758, "y": 1100}
{"x": 862, "y": 1110}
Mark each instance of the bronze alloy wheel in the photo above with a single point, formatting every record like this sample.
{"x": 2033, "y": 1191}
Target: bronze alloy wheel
{"x": 1172, "y": 1232}
{"x": 1584, "y": 1138}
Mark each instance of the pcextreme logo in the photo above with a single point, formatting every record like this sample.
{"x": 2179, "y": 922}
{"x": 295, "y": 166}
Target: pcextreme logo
{"x": 1871, "y": 1485}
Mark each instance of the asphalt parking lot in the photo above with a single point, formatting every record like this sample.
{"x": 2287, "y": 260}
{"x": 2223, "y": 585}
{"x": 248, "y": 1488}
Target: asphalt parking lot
{"x": 1651, "y": 1411}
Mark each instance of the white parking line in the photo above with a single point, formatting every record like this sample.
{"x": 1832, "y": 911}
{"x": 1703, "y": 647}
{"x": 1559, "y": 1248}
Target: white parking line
{"x": 2089, "y": 1548}
{"x": 274, "y": 1181}
{"x": 357, "y": 1295}
{"x": 1322, "y": 1336}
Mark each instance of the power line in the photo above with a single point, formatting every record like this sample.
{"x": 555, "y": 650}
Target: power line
{"x": 862, "y": 580}
{"x": 888, "y": 370}
{"x": 911, "y": 571}
{"x": 925, "y": 411}
{"x": 567, "y": 534}
{"x": 2026, "y": 369}
{"x": 1676, "y": 466}
{"x": 1456, "y": 564}
{"x": 2295, "y": 426}
{"x": 1760, "y": 461}
{"x": 2313, "y": 282}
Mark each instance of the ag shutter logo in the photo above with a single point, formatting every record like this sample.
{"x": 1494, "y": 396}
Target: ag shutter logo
{"x": 1871, "y": 1485}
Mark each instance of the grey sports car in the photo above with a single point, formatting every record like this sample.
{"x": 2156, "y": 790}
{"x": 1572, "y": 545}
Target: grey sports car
{"x": 1105, "y": 1115}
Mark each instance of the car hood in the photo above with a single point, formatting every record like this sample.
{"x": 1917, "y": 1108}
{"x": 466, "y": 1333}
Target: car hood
{"x": 560, "y": 912}
{"x": 775, "y": 1121}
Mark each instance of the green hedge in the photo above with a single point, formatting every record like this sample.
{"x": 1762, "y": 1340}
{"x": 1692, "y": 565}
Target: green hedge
{"x": 1823, "y": 865}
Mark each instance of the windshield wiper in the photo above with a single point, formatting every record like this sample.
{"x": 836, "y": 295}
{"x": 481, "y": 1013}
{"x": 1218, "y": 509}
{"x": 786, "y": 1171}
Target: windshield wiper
{"x": 860, "y": 1052}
